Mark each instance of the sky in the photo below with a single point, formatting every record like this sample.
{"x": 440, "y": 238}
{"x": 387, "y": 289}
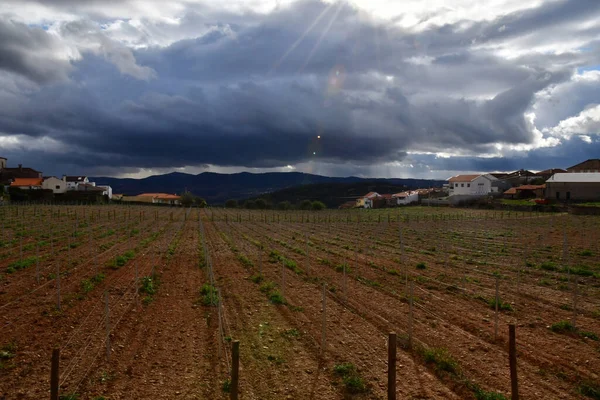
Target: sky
{"x": 371, "y": 88}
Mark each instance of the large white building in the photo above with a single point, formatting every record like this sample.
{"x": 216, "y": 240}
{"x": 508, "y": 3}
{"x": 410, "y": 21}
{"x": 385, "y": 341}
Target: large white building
{"x": 473, "y": 185}
{"x": 54, "y": 184}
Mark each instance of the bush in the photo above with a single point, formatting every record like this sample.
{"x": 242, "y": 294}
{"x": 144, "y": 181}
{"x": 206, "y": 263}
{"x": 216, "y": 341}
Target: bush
{"x": 502, "y": 306}
{"x": 318, "y": 205}
{"x": 231, "y": 203}
{"x": 21, "y": 264}
{"x": 353, "y": 382}
{"x": 442, "y": 360}
{"x": 276, "y": 298}
{"x": 256, "y": 278}
{"x": 209, "y": 295}
{"x": 562, "y": 327}
{"x": 421, "y": 265}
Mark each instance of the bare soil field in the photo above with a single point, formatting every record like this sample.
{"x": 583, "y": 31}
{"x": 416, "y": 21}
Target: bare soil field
{"x": 145, "y": 302}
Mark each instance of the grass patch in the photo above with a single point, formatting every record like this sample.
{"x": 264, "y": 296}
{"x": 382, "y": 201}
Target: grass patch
{"x": 148, "y": 287}
{"x": 226, "y": 386}
{"x": 562, "y": 327}
{"x": 121, "y": 260}
{"x": 21, "y": 264}
{"x": 208, "y": 295}
{"x": 246, "y": 262}
{"x": 256, "y": 278}
{"x": 441, "y": 359}
{"x": 502, "y": 306}
{"x": 276, "y": 298}
{"x": 7, "y": 352}
{"x": 87, "y": 285}
{"x": 353, "y": 382}
{"x": 340, "y": 268}
{"x": 586, "y": 253}
{"x": 589, "y": 389}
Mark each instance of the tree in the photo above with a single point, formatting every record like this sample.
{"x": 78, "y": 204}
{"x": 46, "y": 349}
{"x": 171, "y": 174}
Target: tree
{"x": 187, "y": 199}
{"x": 250, "y": 204}
{"x": 200, "y": 202}
{"x": 318, "y": 205}
{"x": 261, "y": 204}
{"x": 284, "y": 205}
{"x": 231, "y": 203}
{"x": 306, "y": 205}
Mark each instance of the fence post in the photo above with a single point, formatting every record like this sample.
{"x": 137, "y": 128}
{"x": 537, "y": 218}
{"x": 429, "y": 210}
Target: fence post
{"x": 575, "y": 287}
{"x": 235, "y": 369}
{"x": 58, "y": 286}
{"x": 324, "y": 323}
{"x": 37, "y": 262}
{"x": 496, "y": 312}
{"x": 219, "y": 340}
{"x": 282, "y": 277}
{"x": 107, "y": 325}
{"x": 512, "y": 354}
{"x": 54, "y": 374}
{"x": 410, "y": 316}
{"x": 392, "y": 366}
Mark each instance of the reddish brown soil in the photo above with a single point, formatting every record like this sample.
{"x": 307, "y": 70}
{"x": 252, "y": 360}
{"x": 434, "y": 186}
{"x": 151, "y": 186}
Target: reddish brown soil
{"x": 169, "y": 347}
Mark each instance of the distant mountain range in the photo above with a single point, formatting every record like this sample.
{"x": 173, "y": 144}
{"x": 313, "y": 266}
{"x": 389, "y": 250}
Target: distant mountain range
{"x": 217, "y": 188}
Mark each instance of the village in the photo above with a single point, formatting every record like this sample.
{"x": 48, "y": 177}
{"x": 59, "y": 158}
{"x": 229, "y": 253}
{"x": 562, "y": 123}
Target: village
{"x": 28, "y": 184}
{"x": 578, "y": 183}
{"x": 575, "y": 184}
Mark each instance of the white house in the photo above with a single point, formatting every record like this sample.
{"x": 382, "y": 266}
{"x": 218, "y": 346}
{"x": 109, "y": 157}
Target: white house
{"x": 367, "y": 200}
{"x": 107, "y": 191}
{"x": 473, "y": 185}
{"x": 54, "y": 184}
{"x": 405, "y": 198}
{"x": 74, "y": 181}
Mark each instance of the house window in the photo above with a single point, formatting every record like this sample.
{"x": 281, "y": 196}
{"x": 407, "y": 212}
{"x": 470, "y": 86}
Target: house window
{"x": 558, "y": 195}
{"x": 462, "y": 185}
{"x": 57, "y": 186}
{"x": 456, "y": 185}
{"x": 568, "y": 195}
{"x": 468, "y": 185}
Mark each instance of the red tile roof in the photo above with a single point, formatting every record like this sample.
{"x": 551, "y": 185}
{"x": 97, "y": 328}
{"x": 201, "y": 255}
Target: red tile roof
{"x": 463, "y": 178}
{"x": 164, "y": 196}
{"x": 27, "y": 182}
{"x": 531, "y": 187}
{"x": 511, "y": 191}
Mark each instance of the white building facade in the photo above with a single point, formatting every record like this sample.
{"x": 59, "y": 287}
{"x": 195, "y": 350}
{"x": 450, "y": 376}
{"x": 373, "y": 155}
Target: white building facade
{"x": 472, "y": 185}
{"x": 58, "y": 186}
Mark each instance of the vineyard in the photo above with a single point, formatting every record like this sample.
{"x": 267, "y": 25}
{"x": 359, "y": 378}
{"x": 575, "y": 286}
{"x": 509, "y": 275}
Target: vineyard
{"x": 145, "y": 302}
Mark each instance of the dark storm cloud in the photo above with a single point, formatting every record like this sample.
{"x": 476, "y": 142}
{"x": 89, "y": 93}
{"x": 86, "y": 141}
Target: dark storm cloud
{"x": 252, "y": 95}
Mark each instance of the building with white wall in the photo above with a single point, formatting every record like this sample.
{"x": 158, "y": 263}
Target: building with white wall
{"x": 405, "y": 198}
{"x": 58, "y": 186}
{"x": 473, "y": 185}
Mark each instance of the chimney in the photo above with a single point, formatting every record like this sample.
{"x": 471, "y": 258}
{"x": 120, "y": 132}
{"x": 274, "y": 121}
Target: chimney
{"x": 20, "y": 167}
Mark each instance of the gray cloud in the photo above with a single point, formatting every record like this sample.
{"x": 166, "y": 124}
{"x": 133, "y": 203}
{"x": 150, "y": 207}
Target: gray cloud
{"x": 28, "y": 52}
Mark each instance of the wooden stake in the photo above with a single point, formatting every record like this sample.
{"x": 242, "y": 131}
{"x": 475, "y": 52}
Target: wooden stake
{"x": 220, "y": 352}
{"x": 107, "y": 325}
{"x": 512, "y": 356}
{"x": 282, "y": 277}
{"x": 496, "y": 313}
{"x": 392, "y": 366}
{"x": 58, "y": 286}
{"x": 410, "y": 316}
{"x": 575, "y": 289}
{"x": 54, "y": 374}
{"x": 324, "y": 324}
{"x": 235, "y": 370}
